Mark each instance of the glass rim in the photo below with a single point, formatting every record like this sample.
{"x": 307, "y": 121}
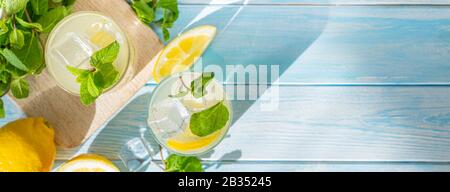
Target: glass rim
{"x": 55, "y": 29}
{"x": 207, "y": 149}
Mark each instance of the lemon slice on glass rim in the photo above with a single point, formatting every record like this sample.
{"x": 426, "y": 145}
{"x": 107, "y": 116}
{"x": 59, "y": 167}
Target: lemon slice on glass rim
{"x": 182, "y": 52}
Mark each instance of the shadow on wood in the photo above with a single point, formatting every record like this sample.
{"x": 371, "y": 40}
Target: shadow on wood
{"x": 55, "y": 104}
{"x": 125, "y": 126}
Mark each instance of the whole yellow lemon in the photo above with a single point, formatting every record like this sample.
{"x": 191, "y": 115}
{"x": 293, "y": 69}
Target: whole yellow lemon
{"x": 27, "y": 145}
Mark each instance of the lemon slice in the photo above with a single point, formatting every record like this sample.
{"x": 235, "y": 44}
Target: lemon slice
{"x": 187, "y": 141}
{"x": 183, "y": 51}
{"x": 102, "y": 39}
{"x": 88, "y": 163}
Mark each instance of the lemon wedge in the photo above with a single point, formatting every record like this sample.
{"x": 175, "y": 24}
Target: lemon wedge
{"x": 182, "y": 52}
{"x": 186, "y": 141}
{"x": 88, "y": 163}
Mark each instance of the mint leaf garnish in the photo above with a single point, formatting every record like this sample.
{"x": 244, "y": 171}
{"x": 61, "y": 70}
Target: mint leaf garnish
{"x": 3, "y": 27}
{"x": 5, "y": 78}
{"x": 2, "y": 109}
{"x": 14, "y": 6}
{"x": 176, "y": 163}
{"x": 170, "y": 15}
{"x": 16, "y": 39}
{"x": 21, "y": 51}
{"x": 12, "y": 58}
{"x": 31, "y": 54}
{"x": 20, "y": 88}
{"x": 85, "y": 96}
{"x": 207, "y": 122}
{"x": 92, "y": 88}
{"x": 35, "y": 26}
{"x": 75, "y": 71}
{"x": 49, "y": 20}
{"x": 81, "y": 74}
{"x": 146, "y": 9}
{"x": 198, "y": 86}
{"x": 106, "y": 55}
{"x": 39, "y": 7}
{"x": 104, "y": 75}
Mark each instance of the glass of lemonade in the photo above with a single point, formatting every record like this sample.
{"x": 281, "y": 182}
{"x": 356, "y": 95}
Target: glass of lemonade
{"x": 185, "y": 124}
{"x": 75, "y": 39}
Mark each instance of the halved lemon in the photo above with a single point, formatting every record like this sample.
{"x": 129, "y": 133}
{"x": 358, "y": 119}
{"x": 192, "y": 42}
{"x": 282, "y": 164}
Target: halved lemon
{"x": 187, "y": 141}
{"x": 182, "y": 52}
{"x": 88, "y": 163}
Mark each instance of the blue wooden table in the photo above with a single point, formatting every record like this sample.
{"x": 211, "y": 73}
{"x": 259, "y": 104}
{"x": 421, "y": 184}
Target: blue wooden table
{"x": 364, "y": 86}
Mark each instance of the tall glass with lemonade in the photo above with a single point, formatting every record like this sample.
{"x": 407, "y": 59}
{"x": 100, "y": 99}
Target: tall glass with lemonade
{"x": 75, "y": 39}
{"x": 189, "y": 113}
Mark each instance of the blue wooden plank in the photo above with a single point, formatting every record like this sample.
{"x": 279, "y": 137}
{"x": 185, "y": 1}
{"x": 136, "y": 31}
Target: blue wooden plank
{"x": 307, "y": 166}
{"x": 346, "y": 123}
{"x": 321, "y": 166}
{"x": 323, "y": 44}
{"x": 316, "y": 123}
{"x": 313, "y": 2}
{"x": 12, "y": 111}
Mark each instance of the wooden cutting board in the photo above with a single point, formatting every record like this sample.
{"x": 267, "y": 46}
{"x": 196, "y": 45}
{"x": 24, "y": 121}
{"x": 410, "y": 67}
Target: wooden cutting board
{"x": 72, "y": 121}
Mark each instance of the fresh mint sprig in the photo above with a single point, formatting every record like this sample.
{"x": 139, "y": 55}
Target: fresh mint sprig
{"x": 210, "y": 120}
{"x": 197, "y": 87}
{"x": 93, "y": 82}
{"x": 147, "y": 11}
{"x": 21, "y": 47}
{"x": 176, "y": 163}
{"x": 202, "y": 124}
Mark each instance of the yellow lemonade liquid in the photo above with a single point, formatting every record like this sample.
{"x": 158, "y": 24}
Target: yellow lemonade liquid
{"x": 169, "y": 116}
{"x": 75, "y": 39}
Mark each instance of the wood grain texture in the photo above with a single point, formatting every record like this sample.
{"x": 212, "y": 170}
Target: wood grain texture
{"x": 362, "y": 88}
{"x": 261, "y": 166}
{"x": 347, "y": 124}
{"x": 331, "y": 45}
{"x": 360, "y": 123}
{"x": 312, "y": 123}
{"x": 74, "y": 122}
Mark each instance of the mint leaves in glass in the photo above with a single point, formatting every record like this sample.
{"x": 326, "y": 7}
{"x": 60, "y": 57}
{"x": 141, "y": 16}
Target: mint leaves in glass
{"x": 21, "y": 53}
{"x": 93, "y": 82}
{"x": 190, "y": 113}
{"x": 87, "y": 54}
